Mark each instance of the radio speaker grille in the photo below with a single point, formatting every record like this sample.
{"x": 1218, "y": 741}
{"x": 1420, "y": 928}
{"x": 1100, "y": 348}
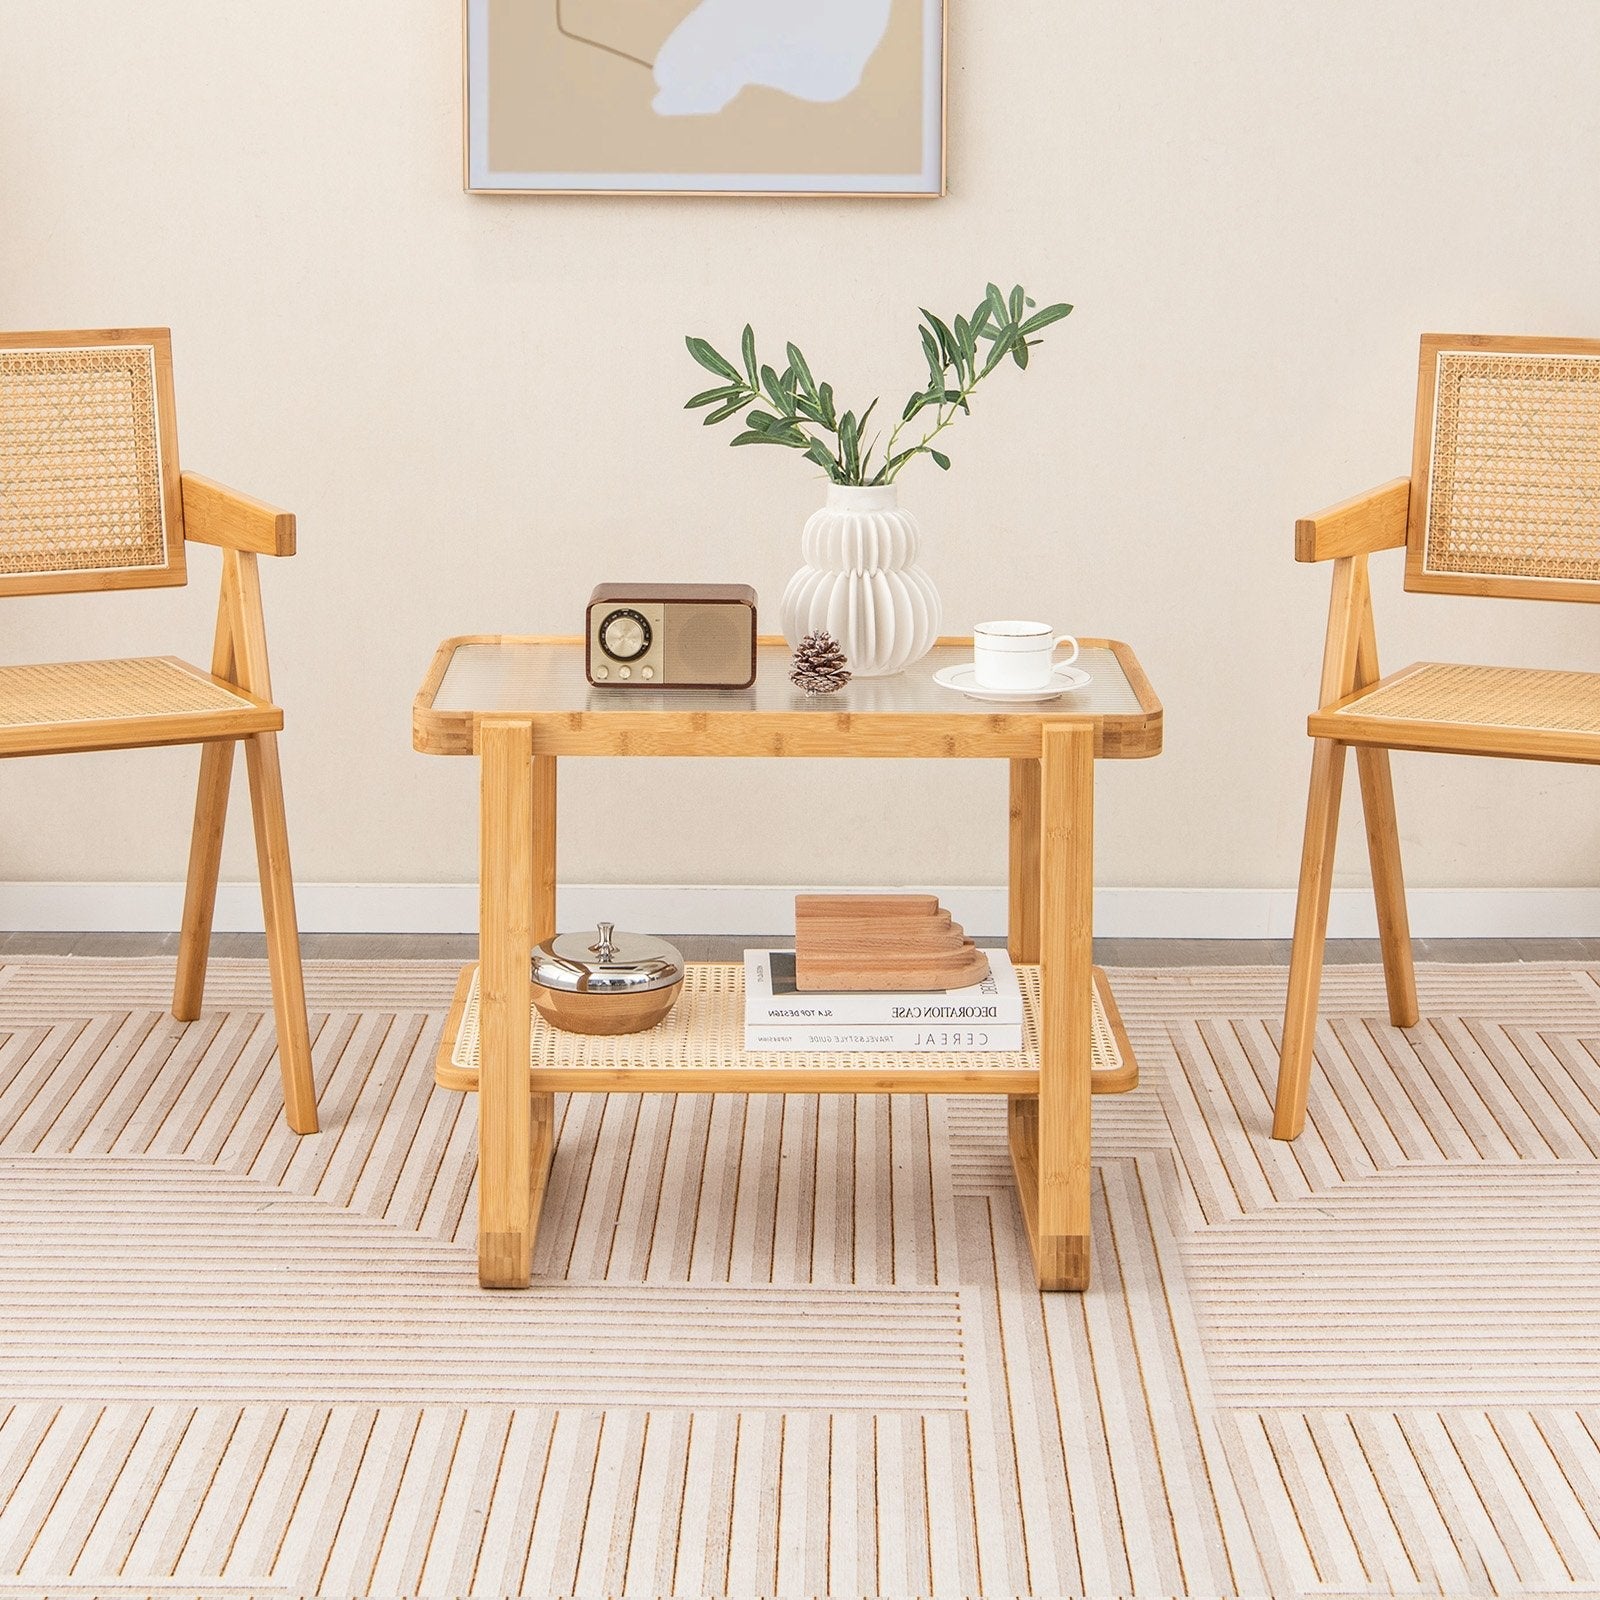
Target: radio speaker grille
{"x": 708, "y": 644}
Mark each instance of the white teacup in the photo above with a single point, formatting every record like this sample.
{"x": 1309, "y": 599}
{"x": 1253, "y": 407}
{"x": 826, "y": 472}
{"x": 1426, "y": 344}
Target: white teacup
{"x": 1018, "y": 655}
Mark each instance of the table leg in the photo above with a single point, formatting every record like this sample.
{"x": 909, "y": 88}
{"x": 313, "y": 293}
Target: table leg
{"x": 1050, "y": 1135}
{"x": 543, "y": 902}
{"x": 542, "y": 1106}
{"x": 506, "y": 878}
{"x": 1024, "y": 894}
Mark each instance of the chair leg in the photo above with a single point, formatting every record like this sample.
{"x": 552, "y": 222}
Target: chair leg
{"x": 283, "y": 933}
{"x": 205, "y": 861}
{"x": 1388, "y": 883}
{"x": 1310, "y": 933}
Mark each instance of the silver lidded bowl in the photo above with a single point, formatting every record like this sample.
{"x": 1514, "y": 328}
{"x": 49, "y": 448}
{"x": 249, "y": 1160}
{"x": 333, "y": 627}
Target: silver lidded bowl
{"x": 607, "y": 982}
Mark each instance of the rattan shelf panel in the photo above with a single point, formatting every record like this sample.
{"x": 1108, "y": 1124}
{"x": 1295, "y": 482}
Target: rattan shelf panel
{"x": 1485, "y": 697}
{"x": 699, "y": 1048}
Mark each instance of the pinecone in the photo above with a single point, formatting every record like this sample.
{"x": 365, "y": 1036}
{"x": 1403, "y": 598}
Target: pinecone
{"x": 819, "y": 664}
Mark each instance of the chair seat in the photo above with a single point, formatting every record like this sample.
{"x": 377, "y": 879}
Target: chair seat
{"x": 1521, "y": 712}
{"x": 119, "y": 705}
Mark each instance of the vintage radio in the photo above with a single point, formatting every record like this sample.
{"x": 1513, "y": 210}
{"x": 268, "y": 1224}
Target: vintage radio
{"x": 671, "y": 636}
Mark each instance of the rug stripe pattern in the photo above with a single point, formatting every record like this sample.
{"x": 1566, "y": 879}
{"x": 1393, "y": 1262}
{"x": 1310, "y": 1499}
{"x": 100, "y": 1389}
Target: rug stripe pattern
{"x": 789, "y": 1346}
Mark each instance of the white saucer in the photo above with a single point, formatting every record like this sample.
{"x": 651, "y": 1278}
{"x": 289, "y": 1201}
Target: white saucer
{"x": 964, "y": 679}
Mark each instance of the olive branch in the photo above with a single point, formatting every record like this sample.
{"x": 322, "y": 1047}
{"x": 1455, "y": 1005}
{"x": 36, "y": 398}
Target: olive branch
{"x": 792, "y": 410}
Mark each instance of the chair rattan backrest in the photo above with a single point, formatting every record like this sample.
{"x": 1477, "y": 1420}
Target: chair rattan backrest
{"x": 1505, "y": 474}
{"x": 89, "y": 489}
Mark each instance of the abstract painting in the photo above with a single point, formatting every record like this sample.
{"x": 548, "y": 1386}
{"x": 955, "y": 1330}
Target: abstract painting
{"x": 706, "y": 96}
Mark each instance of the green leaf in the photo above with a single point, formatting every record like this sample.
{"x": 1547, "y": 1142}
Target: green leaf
{"x": 1043, "y": 319}
{"x": 748, "y": 349}
{"x": 711, "y": 361}
{"x": 817, "y": 451}
{"x": 942, "y": 460}
{"x": 723, "y": 412}
{"x": 968, "y": 343}
{"x": 773, "y": 384}
{"x": 947, "y": 340}
{"x": 767, "y": 438}
{"x": 1000, "y": 349}
{"x": 1017, "y": 299}
{"x": 861, "y": 431}
{"x": 830, "y": 417}
{"x": 915, "y": 404}
{"x": 802, "y": 371}
{"x": 779, "y": 429}
{"x": 709, "y": 397}
{"x": 850, "y": 447}
{"x": 997, "y": 305}
{"x": 930, "y": 348}
{"x": 1019, "y": 353}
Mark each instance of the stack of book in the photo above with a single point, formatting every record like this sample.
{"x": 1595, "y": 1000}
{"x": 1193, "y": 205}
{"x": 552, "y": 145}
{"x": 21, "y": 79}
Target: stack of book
{"x": 778, "y": 1015}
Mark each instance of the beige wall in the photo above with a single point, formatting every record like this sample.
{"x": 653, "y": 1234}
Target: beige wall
{"x": 473, "y": 403}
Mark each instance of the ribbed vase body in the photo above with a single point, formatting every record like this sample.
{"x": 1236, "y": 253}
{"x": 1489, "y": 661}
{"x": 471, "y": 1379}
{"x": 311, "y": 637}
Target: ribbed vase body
{"x": 862, "y": 583}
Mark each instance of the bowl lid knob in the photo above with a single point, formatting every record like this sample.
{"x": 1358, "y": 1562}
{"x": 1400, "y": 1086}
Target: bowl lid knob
{"x": 606, "y": 962}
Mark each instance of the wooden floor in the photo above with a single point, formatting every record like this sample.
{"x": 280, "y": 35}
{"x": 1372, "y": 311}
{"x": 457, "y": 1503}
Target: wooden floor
{"x": 1107, "y": 952}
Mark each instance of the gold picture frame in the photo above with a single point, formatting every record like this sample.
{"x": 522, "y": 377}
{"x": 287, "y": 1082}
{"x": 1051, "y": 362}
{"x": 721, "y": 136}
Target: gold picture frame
{"x": 555, "y": 100}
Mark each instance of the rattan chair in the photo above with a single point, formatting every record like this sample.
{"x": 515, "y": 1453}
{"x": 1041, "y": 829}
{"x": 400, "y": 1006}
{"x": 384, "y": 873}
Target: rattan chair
{"x": 91, "y": 498}
{"x": 1503, "y": 499}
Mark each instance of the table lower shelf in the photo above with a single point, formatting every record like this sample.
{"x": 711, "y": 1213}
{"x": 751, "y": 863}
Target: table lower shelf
{"x": 698, "y": 1049}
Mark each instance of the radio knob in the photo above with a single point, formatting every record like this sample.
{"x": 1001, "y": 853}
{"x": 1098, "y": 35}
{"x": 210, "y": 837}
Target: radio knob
{"x": 625, "y": 635}
{"x": 646, "y": 672}
{"x": 624, "y": 672}
{"x": 602, "y": 671}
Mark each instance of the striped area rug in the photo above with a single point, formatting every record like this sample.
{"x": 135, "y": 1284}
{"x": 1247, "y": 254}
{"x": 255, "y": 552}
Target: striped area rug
{"x": 788, "y": 1346}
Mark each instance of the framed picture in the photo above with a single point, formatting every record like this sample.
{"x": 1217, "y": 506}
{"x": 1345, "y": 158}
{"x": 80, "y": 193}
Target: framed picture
{"x": 769, "y": 97}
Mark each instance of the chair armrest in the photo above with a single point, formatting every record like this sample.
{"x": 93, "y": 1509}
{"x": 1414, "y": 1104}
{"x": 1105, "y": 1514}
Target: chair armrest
{"x": 1370, "y": 522}
{"x": 214, "y": 514}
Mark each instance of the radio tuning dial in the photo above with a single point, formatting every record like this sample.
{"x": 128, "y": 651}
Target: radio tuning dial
{"x": 625, "y": 635}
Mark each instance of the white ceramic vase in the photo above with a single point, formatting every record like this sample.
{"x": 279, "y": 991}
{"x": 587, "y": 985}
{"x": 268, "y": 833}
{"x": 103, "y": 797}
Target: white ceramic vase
{"x": 862, "y": 583}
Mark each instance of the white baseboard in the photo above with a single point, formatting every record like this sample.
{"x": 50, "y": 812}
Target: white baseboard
{"x": 758, "y": 909}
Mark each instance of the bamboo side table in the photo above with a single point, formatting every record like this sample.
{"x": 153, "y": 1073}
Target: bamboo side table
{"x": 520, "y": 704}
